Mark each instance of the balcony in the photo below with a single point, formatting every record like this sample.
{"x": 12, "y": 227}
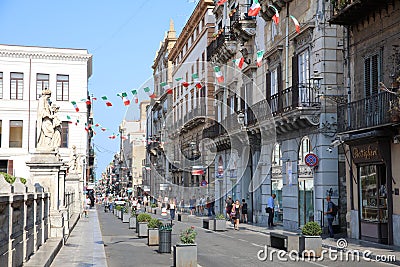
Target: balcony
{"x": 214, "y": 131}
{"x": 349, "y": 12}
{"x": 242, "y": 24}
{"x": 194, "y": 118}
{"x": 266, "y": 12}
{"x": 223, "y": 47}
{"x": 365, "y": 114}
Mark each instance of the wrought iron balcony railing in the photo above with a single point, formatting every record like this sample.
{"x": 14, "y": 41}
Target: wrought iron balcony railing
{"x": 223, "y": 35}
{"x": 240, "y": 14}
{"x": 371, "y": 112}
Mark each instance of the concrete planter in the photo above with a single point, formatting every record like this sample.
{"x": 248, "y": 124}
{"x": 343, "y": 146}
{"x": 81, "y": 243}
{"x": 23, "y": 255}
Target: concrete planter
{"x": 142, "y": 229}
{"x": 153, "y": 237}
{"x": 155, "y": 210}
{"x": 132, "y": 222}
{"x": 183, "y": 217}
{"x": 311, "y": 245}
{"x": 148, "y": 209}
{"x": 126, "y": 217}
{"x": 219, "y": 225}
{"x": 120, "y": 214}
{"x": 185, "y": 255}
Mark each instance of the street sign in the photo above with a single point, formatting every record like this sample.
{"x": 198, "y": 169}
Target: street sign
{"x": 203, "y": 183}
{"x": 311, "y": 160}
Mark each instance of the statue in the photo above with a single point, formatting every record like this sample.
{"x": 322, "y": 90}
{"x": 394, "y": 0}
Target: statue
{"x": 56, "y": 140}
{"x": 73, "y": 162}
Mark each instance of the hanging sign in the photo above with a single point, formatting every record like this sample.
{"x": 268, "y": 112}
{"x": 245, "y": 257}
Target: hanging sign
{"x": 311, "y": 160}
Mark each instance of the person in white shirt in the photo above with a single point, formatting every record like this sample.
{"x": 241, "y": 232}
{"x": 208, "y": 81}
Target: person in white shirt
{"x": 172, "y": 207}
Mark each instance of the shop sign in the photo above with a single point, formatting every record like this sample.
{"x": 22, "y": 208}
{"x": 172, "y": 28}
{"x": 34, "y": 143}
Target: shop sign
{"x": 366, "y": 153}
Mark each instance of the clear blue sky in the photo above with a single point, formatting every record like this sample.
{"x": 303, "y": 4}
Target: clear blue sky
{"x": 123, "y": 37}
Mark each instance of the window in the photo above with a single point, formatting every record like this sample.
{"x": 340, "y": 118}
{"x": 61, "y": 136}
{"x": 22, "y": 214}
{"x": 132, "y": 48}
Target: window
{"x": 1, "y": 85}
{"x": 64, "y": 134}
{"x": 305, "y": 148}
{"x": 16, "y": 85}
{"x": 304, "y": 77}
{"x": 42, "y": 82}
{"x": 15, "y": 134}
{"x": 62, "y": 91}
{"x": 372, "y": 74}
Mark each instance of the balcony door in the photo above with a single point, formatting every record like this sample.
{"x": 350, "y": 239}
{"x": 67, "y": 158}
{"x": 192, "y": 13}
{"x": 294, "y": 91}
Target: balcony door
{"x": 304, "y": 78}
{"x": 372, "y": 76}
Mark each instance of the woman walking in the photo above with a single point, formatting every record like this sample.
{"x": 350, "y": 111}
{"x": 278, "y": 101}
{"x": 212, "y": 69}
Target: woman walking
{"x": 235, "y": 213}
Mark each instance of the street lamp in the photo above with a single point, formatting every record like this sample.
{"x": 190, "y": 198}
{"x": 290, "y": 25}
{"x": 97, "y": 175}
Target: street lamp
{"x": 316, "y": 80}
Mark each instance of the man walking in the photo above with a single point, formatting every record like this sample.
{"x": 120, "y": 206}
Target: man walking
{"x": 329, "y": 216}
{"x": 270, "y": 210}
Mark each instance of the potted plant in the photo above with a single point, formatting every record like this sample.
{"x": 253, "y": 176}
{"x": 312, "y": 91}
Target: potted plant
{"x": 132, "y": 219}
{"x": 185, "y": 252}
{"x": 118, "y": 209}
{"x": 311, "y": 240}
{"x": 143, "y": 219}
{"x": 152, "y": 228}
{"x": 125, "y": 214}
{"x": 219, "y": 223}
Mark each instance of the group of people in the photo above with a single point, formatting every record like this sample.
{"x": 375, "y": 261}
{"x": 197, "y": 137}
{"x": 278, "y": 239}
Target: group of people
{"x": 236, "y": 211}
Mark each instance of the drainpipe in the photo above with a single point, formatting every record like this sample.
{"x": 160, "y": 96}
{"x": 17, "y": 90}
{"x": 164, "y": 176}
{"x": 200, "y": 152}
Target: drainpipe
{"x": 287, "y": 48}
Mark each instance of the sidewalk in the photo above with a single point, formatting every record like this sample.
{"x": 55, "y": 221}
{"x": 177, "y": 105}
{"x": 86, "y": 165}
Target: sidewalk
{"x": 84, "y": 246}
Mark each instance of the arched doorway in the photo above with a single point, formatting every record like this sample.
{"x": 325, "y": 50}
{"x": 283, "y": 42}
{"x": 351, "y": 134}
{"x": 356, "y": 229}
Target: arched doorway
{"x": 305, "y": 184}
{"x": 277, "y": 182}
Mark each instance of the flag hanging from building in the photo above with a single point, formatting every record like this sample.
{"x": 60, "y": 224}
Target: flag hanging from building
{"x": 75, "y": 106}
{"x": 105, "y": 99}
{"x": 113, "y": 136}
{"x": 296, "y": 23}
{"x": 88, "y": 102}
{"x": 135, "y": 97}
{"x": 218, "y": 74}
{"x": 239, "y": 62}
{"x": 221, "y": 2}
{"x": 260, "y": 55}
{"x": 254, "y": 9}
{"x": 104, "y": 129}
{"x": 94, "y": 98}
{"x": 275, "y": 18}
{"x": 125, "y": 99}
{"x": 182, "y": 81}
{"x": 196, "y": 81}
{"x": 147, "y": 91}
{"x": 166, "y": 88}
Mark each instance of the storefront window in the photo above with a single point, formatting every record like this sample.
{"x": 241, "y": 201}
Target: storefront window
{"x": 306, "y": 201}
{"x": 373, "y": 193}
{"x": 276, "y": 188}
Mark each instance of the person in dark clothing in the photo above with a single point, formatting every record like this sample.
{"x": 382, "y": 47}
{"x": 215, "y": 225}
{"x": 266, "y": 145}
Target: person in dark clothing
{"x": 244, "y": 211}
{"x": 212, "y": 206}
{"x": 228, "y": 206}
{"x": 329, "y": 216}
{"x": 270, "y": 210}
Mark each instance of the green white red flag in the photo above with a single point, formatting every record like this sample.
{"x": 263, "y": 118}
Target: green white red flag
{"x": 260, "y": 55}
{"x": 150, "y": 94}
{"x": 296, "y": 23}
{"x": 239, "y": 62}
{"x": 221, "y": 2}
{"x": 135, "y": 97}
{"x": 166, "y": 88}
{"x": 75, "y": 106}
{"x": 182, "y": 81}
{"x": 275, "y": 18}
{"x": 218, "y": 74}
{"x": 105, "y": 99}
{"x": 254, "y": 9}
{"x": 125, "y": 99}
{"x": 196, "y": 81}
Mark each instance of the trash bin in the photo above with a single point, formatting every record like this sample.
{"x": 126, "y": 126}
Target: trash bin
{"x": 164, "y": 235}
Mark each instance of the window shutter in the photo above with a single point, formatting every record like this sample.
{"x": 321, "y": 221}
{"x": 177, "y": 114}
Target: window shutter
{"x": 374, "y": 74}
{"x": 367, "y": 77}
{"x": 10, "y": 167}
{"x": 280, "y": 87}
{"x": 268, "y": 87}
{"x": 295, "y": 80}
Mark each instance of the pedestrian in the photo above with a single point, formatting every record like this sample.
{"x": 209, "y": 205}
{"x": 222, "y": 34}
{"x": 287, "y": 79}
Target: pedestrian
{"x": 235, "y": 214}
{"x": 228, "y": 206}
{"x": 329, "y": 216}
{"x": 270, "y": 210}
{"x": 172, "y": 206}
{"x": 208, "y": 206}
{"x": 212, "y": 205}
{"x": 192, "y": 204}
{"x": 182, "y": 205}
{"x": 87, "y": 206}
{"x": 134, "y": 204}
{"x": 244, "y": 211}
{"x": 145, "y": 200}
{"x": 202, "y": 204}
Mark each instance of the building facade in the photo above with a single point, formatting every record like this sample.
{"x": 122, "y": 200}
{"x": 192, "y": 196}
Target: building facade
{"x": 26, "y": 71}
{"x": 368, "y": 125}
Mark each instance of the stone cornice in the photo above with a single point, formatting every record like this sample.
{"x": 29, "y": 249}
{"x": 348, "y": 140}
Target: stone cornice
{"x": 45, "y": 56}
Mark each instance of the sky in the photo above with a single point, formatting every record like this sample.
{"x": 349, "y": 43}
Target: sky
{"x": 123, "y": 37}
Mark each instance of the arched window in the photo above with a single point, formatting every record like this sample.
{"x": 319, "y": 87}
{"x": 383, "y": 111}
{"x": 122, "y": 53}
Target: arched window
{"x": 277, "y": 156}
{"x": 304, "y": 149}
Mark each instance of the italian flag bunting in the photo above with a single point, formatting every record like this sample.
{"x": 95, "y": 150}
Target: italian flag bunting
{"x": 218, "y": 74}
{"x": 113, "y": 136}
{"x": 296, "y": 23}
{"x": 182, "y": 81}
{"x": 221, "y": 2}
{"x": 260, "y": 55}
{"x": 88, "y": 102}
{"x": 105, "y": 99}
{"x": 94, "y": 98}
{"x": 166, "y": 88}
{"x": 104, "y": 129}
{"x": 135, "y": 97}
{"x": 239, "y": 62}
{"x": 254, "y": 9}
{"x": 276, "y": 16}
{"x": 97, "y": 125}
{"x": 147, "y": 91}
{"x": 196, "y": 81}
{"x": 125, "y": 99}
{"x": 75, "y": 106}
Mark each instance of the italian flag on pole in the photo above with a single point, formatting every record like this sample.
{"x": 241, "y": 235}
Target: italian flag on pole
{"x": 125, "y": 99}
{"x": 260, "y": 55}
{"x": 105, "y": 99}
{"x": 166, "y": 88}
{"x": 135, "y": 97}
{"x": 147, "y": 91}
{"x": 218, "y": 74}
{"x": 254, "y": 9}
{"x": 221, "y": 2}
{"x": 182, "y": 81}
{"x": 75, "y": 106}
{"x": 196, "y": 81}
{"x": 276, "y": 16}
{"x": 296, "y": 23}
{"x": 239, "y": 62}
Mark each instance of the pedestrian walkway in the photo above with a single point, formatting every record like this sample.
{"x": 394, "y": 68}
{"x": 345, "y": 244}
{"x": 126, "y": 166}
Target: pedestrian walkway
{"x": 84, "y": 246}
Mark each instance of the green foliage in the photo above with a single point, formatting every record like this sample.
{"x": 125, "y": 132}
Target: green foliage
{"x": 311, "y": 229}
{"x": 118, "y": 207}
{"x": 188, "y": 236}
{"x": 9, "y": 178}
{"x": 125, "y": 209}
{"x": 23, "y": 180}
{"x": 220, "y": 216}
{"x": 143, "y": 217}
{"x": 153, "y": 205}
{"x": 165, "y": 227}
{"x": 154, "y": 223}
{"x": 134, "y": 213}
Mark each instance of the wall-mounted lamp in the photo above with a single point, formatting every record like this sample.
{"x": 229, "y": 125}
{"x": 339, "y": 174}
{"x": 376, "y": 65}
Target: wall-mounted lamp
{"x": 240, "y": 118}
{"x": 316, "y": 80}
